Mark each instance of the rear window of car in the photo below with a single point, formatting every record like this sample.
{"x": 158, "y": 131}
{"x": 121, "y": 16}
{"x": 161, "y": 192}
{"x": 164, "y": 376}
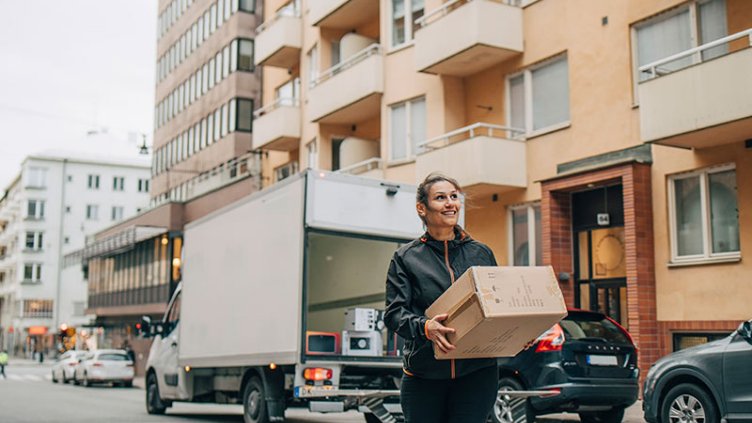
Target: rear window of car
{"x": 114, "y": 357}
{"x": 592, "y": 326}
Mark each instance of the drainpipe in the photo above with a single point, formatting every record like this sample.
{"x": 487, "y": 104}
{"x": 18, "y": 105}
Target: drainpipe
{"x": 60, "y": 250}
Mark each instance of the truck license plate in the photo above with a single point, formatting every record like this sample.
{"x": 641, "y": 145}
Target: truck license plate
{"x": 602, "y": 360}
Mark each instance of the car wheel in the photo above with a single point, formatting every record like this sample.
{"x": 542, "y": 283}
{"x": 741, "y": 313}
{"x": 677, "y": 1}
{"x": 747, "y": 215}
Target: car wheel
{"x": 614, "y": 415}
{"x": 63, "y": 378}
{"x": 154, "y": 404}
{"x": 509, "y": 409}
{"x": 688, "y": 403}
{"x": 54, "y": 379}
{"x": 254, "y": 404}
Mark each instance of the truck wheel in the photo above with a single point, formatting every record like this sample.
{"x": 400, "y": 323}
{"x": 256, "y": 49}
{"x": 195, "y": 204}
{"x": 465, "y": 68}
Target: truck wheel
{"x": 154, "y": 404}
{"x": 688, "y": 403}
{"x": 614, "y": 415}
{"x": 508, "y": 409}
{"x": 254, "y": 402}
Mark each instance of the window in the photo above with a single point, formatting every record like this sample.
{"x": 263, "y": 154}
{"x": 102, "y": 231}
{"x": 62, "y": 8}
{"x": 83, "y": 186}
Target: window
{"x": 408, "y": 128}
{"x": 118, "y": 183}
{"x": 313, "y": 64}
{"x": 288, "y": 93}
{"x": 34, "y": 241}
{"x": 704, "y": 215}
{"x": 35, "y": 209}
{"x": 92, "y": 212}
{"x": 285, "y": 171}
{"x": 525, "y": 239}
{"x": 117, "y": 213}
{"x": 248, "y": 5}
{"x": 245, "y": 55}
{"x": 32, "y": 272}
{"x": 93, "y": 182}
{"x": 313, "y": 155}
{"x": 688, "y": 340}
{"x": 404, "y": 15}
{"x": 37, "y": 308}
{"x": 678, "y": 30}
{"x": 244, "y": 115}
{"x": 36, "y": 177}
{"x": 538, "y": 98}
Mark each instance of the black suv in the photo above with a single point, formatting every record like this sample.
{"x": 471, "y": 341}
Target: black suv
{"x": 706, "y": 383}
{"x": 587, "y": 361}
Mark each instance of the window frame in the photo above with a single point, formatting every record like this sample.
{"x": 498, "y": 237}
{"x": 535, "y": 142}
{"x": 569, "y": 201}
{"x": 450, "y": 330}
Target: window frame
{"x": 92, "y": 181}
{"x": 695, "y": 34}
{"x": 409, "y": 22}
{"x": 707, "y": 256}
{"x": 92, "y": 208}
{"x": 38, "y": 209}
{"x": 36, "y": 241}
{"x": 36, "y": 272}
{"x": 410, "y": 156}
{"x": 531, "y": 236}
{"x": 527, "y": 86}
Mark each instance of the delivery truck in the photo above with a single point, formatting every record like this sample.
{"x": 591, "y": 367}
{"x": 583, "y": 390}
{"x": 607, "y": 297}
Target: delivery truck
{"x": 281, "y": 301}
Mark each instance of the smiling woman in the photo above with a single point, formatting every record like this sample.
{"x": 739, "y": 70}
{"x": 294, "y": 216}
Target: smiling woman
{"x": 452, "y": 391}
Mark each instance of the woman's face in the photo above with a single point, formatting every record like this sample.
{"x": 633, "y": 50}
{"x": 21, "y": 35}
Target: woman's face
{"x": 443, "y": 206}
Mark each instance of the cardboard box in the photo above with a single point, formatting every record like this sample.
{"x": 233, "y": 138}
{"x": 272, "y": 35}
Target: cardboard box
{"x": 496, "y": 311}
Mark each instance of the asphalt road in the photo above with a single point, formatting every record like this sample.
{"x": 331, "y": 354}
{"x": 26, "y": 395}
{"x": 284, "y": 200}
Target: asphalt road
{"x": 28, "y": 395}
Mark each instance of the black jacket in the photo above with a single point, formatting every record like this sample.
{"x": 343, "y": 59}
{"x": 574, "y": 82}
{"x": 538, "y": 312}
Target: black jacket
{"x": 418, "y": 274}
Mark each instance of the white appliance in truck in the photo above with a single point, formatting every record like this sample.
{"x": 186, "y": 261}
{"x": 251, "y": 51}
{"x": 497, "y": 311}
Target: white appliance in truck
{"x": 267, "y": 284}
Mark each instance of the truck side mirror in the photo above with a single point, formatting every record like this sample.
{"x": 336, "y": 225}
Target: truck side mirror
{"x": 745, "y": 330}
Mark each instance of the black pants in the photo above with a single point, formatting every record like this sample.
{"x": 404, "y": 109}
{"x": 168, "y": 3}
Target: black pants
{"x": 468, "y": 399}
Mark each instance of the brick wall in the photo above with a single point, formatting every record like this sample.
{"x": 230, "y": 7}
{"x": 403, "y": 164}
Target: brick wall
{"x": 638, "y": 230}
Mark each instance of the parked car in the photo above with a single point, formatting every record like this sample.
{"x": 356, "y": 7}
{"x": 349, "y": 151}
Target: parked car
{"x": 65, "y": 366}
{"x": 708, "y": 383}
{"x": 104, "y": 366}
{"x": 587, "y": 361}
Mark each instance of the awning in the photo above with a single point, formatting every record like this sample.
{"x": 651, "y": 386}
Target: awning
{"x": 122, "y": 240}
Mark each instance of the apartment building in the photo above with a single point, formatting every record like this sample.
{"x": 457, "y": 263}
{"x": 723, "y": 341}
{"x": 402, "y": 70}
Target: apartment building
{"x": 54, "y": 203}
{"x": 610, "y": 139}
{"x": 207, "y": 86}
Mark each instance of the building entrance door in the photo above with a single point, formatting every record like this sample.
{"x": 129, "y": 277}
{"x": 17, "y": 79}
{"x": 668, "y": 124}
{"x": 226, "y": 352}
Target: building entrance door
{"x": 600, "y": 258}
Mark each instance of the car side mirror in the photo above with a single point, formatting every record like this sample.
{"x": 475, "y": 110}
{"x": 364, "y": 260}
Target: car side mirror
{"x": 745, "y": 330}
{"x": 145, "y": 327}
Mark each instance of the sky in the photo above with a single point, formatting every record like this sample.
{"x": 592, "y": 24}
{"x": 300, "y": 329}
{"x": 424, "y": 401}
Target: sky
{"x": 71, "y": 68}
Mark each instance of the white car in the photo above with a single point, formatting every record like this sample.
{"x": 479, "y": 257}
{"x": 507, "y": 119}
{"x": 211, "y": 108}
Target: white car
{"x": 65, "y": 366}
{"x": 104, "y": 366}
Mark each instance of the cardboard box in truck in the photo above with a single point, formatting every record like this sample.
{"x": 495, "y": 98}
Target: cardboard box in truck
{"x": 496, "y": 311}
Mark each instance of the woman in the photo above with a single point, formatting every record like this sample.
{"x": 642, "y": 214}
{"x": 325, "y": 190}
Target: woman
{"x": 450, "y": 391}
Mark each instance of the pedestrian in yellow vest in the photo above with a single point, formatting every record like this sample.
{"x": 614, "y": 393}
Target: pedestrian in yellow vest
{"x": 3, "y": 362}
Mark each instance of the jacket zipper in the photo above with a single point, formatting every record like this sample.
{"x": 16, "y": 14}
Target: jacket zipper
{"x": 451, "y": 276}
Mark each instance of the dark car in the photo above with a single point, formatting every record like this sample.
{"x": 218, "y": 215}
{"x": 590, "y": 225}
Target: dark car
{"x": 587, "y": 361}
{"x": 707, "y": 383}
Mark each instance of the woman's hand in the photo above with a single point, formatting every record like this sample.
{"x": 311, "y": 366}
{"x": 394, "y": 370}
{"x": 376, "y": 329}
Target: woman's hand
{"x": 436, "y": 333}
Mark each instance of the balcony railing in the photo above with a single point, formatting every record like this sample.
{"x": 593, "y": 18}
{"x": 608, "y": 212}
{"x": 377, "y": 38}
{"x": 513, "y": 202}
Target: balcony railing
{"x": 349, "y": 92}
{"x": 471, "y": 131}
{"x": 277, "y": 126}
{"x": 347, "y": 63}
{"x": 449, "y": 6}
{"x": 279, "y": 40}
{"x": 654, "y": 69}
{"x": 700, "y": 97}
{"x": 492, "y": 32}
{"x": 362, "y": 167}
{"x": 497, "y": 153}
{"x": 280, "y": 102}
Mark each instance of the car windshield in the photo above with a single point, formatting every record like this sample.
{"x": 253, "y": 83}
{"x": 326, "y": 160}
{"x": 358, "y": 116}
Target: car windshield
{"x": 114, "y": 357}
{"x": 585, "y": 326}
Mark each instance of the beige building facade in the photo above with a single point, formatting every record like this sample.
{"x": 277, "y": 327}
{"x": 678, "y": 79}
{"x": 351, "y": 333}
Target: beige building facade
{"x": 610, "y": 139}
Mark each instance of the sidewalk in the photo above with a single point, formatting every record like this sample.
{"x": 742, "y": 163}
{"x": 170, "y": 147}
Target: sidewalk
{"x": 27, "y": 362}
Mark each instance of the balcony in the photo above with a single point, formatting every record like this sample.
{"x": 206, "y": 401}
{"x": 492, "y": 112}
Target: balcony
{"x": 279, "y": 40}
{"x": 497, "y": 153}
{"x": 464, "y": 37}
{"x": 277, "y": 126}
{"x": 343, "y": 14}
{"x": 705, "y": 104}
{"x": 349, "y": 92}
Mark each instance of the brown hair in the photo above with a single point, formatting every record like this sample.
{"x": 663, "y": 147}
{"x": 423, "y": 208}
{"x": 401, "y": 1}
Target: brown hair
{"x": 421, "y": 195}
